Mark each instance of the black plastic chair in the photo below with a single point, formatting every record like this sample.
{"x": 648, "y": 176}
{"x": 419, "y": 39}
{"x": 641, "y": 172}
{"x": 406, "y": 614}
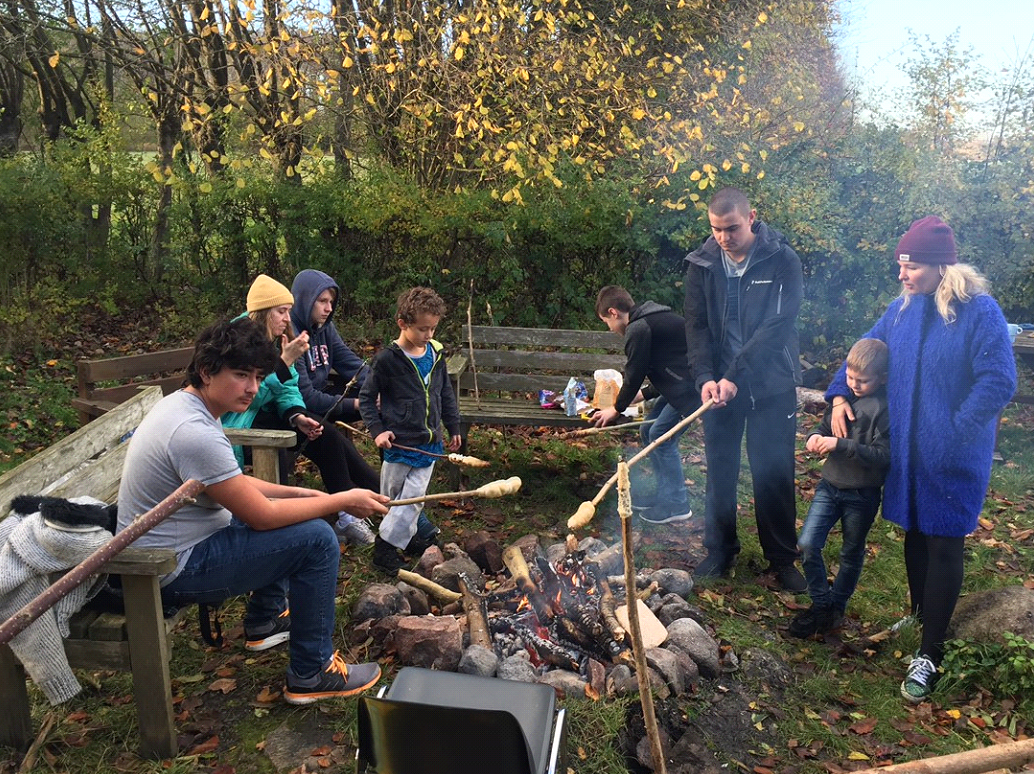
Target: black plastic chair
{"x": 431, "y": 722}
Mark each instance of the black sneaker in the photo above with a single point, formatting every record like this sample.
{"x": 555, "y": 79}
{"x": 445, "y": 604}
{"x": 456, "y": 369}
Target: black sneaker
{"x": 789, "y": 578}
{"x": 644, "y": 504}
{"x": 662, "y": 514}
{"x": 814, "y": 620}
{"x": 386, "y": 557}
{"x": 269, "y": 634}
{"x": 712, "y": 567}
{"x": 336, "y": 680}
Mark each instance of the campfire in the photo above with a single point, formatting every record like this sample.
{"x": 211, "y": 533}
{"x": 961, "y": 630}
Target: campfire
{"x": 556, "y": 615}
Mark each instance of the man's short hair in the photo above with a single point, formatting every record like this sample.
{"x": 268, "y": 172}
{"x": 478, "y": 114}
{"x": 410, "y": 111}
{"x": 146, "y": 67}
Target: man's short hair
{"x": 869, "y": 357}
{"x": 613, "y": 297}
{"x": 729, "y": 200}
{"x": 417, "y": 301}
{"x": 241, "y": 343}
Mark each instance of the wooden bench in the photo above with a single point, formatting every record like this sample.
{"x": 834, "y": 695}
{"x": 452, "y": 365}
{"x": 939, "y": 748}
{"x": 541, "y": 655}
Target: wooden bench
{"x": 89, "y": 461}
{"x": 166, "y": 369}
{"x": 511, "y": 365}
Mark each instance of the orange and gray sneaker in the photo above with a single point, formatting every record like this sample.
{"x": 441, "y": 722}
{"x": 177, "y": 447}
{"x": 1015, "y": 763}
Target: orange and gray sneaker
{"x": 270, "y": 634}
{"x": 338, "y": 679}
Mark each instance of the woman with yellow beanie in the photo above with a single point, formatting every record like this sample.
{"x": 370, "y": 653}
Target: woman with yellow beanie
{"x": 280, "y": 405}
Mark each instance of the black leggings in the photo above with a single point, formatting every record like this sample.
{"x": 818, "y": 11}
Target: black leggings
{"x": 340, "y": 463}
{"x": 934, "y": 567}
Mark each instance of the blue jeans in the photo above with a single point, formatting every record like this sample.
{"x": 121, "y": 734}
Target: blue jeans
{"x": 855, "y": 509}
{"x": 667, "y": 463}
{"x": 297, "y": 563}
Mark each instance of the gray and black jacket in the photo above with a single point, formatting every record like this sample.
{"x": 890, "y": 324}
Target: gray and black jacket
{"x": 412, "y": 410}
{"x": 655, "y": 349}
{"x": 770, "y": 297}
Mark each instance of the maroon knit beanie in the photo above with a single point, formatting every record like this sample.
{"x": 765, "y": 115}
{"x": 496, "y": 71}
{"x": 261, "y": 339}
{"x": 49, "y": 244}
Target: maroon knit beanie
{"x": 929, "y": 240}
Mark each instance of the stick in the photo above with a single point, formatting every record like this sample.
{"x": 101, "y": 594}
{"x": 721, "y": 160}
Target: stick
{"x": 29, "y": 761}
{"x": 470, "y": 346}
{"x": 336, "y": 403}
{"x": 594, "y": 430}
{"x": 456, "y": 459}
{"x": 998, "y": 756}
{"x": 428, "y": 585}
{"x": 587, "y": 510}
{"x": 641, "y": 674}
{"x": 514, "y": 561}
{"x": 490, "y": 490}
{"x": 91, "y": 565}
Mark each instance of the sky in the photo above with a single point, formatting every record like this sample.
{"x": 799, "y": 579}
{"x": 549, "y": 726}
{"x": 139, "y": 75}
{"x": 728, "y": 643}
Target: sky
{"x": 873, "y": 39}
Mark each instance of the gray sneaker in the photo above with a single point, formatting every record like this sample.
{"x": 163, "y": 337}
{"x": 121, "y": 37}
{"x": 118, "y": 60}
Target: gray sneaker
{"x": 355, "y": 533}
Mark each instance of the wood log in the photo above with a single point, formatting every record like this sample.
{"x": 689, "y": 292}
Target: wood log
{"x": 429, "y": 586}
{"x": 1008, "y": 755}
{"x": 641, "y": 673}
{"x": 477, "y": 621}
{"x": 514, "y": 561}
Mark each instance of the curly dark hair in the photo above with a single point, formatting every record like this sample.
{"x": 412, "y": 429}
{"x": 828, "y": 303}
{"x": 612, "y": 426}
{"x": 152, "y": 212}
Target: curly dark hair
{"x": 417, "y": 301}
{"x": 238, "y": 343}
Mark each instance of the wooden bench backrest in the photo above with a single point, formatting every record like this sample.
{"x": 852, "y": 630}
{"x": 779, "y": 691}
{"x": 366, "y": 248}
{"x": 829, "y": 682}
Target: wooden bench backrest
{"x": 131, "y": 368}
{"x": 87, "y": 462}
{"x": 533, "y": 359}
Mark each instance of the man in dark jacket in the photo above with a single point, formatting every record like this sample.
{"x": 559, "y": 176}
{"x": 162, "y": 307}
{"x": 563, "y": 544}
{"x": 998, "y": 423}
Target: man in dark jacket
{"x": 655, "y": 349}
{"x": 743, "y": 292}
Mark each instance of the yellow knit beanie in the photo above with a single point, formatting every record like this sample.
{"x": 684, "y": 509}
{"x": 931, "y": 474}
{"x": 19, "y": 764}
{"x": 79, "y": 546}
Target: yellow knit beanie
{"x": 266, "y": 292}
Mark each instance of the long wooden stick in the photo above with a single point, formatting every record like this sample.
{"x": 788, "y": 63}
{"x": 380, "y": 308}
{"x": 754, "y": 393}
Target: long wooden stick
{"x": 998, "y": 756}
{"x": 426, "y": 584}
{"x": 456, "y": 459}
{"x": 642, "y": 673}
{"x": 587, "y": 510}
{"x": 92, "y": 564}
{"x": 491, "y": 489}
{"x": 594, "y": 430}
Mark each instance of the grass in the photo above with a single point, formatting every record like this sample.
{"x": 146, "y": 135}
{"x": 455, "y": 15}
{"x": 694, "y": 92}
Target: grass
{"x": 838, "y": 708}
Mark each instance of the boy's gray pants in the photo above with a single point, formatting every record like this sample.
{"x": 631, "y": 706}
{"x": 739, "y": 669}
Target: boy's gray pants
{"x": 400, "y": 481}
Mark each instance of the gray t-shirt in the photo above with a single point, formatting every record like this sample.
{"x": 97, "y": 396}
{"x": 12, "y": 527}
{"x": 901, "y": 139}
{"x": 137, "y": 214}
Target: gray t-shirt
{"x": 178, "y": 440}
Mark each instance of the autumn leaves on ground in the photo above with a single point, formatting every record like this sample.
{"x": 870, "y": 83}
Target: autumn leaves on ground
{"x": 826, "y": 705}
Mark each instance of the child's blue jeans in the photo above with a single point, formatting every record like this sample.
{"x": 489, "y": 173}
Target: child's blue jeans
{"x": 667, "y": 462}
{"x": 855, "y": 509}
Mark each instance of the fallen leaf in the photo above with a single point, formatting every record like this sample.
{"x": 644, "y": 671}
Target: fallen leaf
{"x": 207, "y": 746}
{"x": 863, "y": 726}
{"x": 223, "y": 684}
{"x": 267, "y": 695}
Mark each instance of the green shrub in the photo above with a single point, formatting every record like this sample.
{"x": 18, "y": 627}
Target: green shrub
{"x": 1004, "y": 669}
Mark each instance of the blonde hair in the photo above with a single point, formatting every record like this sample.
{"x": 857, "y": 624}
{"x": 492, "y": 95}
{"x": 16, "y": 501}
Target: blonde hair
{"x": 960, "y": 282}
{"x": 262, "y": 318}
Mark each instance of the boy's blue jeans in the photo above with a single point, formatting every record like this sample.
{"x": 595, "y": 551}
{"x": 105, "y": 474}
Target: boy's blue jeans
{"x": 667, "y": 463}
{"x": 855, "y": 509}
{"x": 297, "y": 563}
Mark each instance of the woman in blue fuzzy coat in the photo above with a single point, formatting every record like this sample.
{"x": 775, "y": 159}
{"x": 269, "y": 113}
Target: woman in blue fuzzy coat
{"x": 951, "y": 373}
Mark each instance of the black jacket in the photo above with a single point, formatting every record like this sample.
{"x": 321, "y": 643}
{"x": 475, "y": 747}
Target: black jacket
{"x": 861, "y": 459}
{"x": 770, "y": 297}
{"x": 655, "y": 349}
{"x": 409, "y": 408}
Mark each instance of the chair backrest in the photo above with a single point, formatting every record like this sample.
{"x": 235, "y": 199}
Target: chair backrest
{"x": 402, "y": 737}
{"x": 483, "y": 724}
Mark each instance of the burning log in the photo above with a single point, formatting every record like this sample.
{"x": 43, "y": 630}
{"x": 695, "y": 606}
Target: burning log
{"x": 607, "y": 607}
{"x": 549, "y": 651}
{"x": 429, "y": 586}
{"x": 477, "y": 621}
{"x": 514, "y": 561}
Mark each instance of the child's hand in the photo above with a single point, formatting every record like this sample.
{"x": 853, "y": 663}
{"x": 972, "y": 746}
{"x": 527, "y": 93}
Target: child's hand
{"x": 455, "y": 443}
{"x": 821, "y": 444}
{"x": 384, "y": 440}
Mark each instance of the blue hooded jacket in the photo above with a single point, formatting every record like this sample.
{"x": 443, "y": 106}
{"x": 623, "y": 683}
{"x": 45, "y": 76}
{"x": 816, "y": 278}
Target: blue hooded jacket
{"x": 327, "y": 351}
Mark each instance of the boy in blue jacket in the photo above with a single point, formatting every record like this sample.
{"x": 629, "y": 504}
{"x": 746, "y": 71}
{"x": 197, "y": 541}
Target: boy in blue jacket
{"x": 406, "y": 398}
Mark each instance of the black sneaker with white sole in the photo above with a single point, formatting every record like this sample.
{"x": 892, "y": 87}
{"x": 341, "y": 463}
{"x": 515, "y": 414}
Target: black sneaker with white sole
{"x": 663, "y": 514}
